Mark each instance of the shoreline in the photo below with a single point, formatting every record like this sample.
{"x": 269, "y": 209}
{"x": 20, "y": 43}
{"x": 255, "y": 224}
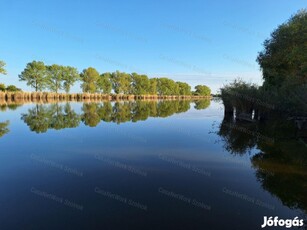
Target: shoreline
{"x": 46, "y": 97}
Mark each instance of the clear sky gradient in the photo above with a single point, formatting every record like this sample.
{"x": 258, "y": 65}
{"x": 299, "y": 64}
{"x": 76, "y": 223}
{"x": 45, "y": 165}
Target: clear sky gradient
{"x": 196, "y": 41}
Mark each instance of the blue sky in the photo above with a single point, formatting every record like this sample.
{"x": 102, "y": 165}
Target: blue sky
{"x": 196, "y": 41}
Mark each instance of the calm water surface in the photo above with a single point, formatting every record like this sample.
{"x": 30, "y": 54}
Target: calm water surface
{"x": 145, "y": 165}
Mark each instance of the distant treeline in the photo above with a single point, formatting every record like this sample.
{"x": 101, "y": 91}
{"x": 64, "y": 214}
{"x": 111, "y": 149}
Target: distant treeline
{"x": 56, "y": 78}
{"x": 9, "y": 88}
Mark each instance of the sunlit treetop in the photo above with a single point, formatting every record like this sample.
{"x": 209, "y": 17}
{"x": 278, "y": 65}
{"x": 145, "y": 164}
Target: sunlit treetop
{"x": 285, "y": 53}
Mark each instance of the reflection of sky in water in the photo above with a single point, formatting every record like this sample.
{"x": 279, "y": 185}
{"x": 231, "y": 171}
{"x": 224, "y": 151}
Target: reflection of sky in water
{"x": 181, "y": 153}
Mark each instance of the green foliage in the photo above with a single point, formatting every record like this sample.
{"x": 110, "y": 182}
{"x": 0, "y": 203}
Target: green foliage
{"x": 284, "y": 65}
{"x": 35, "y": 75}
{"x": 285, "y": 53}
{"x": 70, "y": 77}
{"x": 9, "y": 88}
{"x": 61, "y": 77}
{"x": 12, "y": 88}
{"x": 104, "y": 83}
{"x": 55, "y": 74}
{"x": 290, "y": 98}
{"x": 89, "y": 77}
{"x": 202, "y": 90}
{"x": 2, "y": 70}
{"x": 240, "y": 94}
{"x": 140, "y": 84}
{"x": 2, "y": 87}
{"x": 184, "y": 88}
{"x": 153, "y": 86}
{"x": 121, "y": 82}
{"x": 167, "y": 86}
{"x": 57, "y": 77}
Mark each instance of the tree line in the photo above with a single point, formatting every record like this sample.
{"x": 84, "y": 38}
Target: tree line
{"x": 57, "y": 78}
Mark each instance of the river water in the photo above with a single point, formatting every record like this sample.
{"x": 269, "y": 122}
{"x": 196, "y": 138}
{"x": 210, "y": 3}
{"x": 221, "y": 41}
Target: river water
{"x": 145, "y": 165}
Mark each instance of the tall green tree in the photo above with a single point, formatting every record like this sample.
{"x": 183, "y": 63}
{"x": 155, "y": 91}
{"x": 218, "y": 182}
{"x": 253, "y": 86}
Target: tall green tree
{"x": 184, "y": 88}
{"x": 35, "y": 75}
{"x": 89, "y": 78}
{"x": 140, "y": 84}
{"x": 167, "y": 86}
{"x": 104, "y": 83}
{"x": 285, "y": 53}
{"x": 55, "y": 74}
{"x": 153, "y": 82}
{"x": 2, "y": 70}
{"x": 121, "y": 82}
{"x": 202, "y": 90}
{"x": 70, "y": 77}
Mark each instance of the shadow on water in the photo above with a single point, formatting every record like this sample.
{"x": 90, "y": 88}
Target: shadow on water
{"x": 281, "y": 162}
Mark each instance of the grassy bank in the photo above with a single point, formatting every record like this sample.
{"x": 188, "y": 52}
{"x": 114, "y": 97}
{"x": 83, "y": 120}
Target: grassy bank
{"x": 20, "y": 97}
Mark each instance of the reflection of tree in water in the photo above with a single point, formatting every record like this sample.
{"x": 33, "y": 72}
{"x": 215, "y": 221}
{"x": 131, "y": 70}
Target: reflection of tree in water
{"x": 55, "y": 116}
{"x": 202, "y": 104}
{"x": 90, "y": 115}
{"x": 167, "y": 108}
{"x": 183, "y": 106}
{"x": 237, "y": 137}
{"x": 283, "y": 172}
{"x": 105, "y": 111}
{"x": 37, "y": 118}
{"x": 4, "y": 107}
{"x": 71, "y": 118}
{"x": 281, "y": 165}
{"x": 4, "y": 128}
{"x": 140, "y": 111}
{"x": 63, "y": 117}
{"x": 121, "y": 112}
